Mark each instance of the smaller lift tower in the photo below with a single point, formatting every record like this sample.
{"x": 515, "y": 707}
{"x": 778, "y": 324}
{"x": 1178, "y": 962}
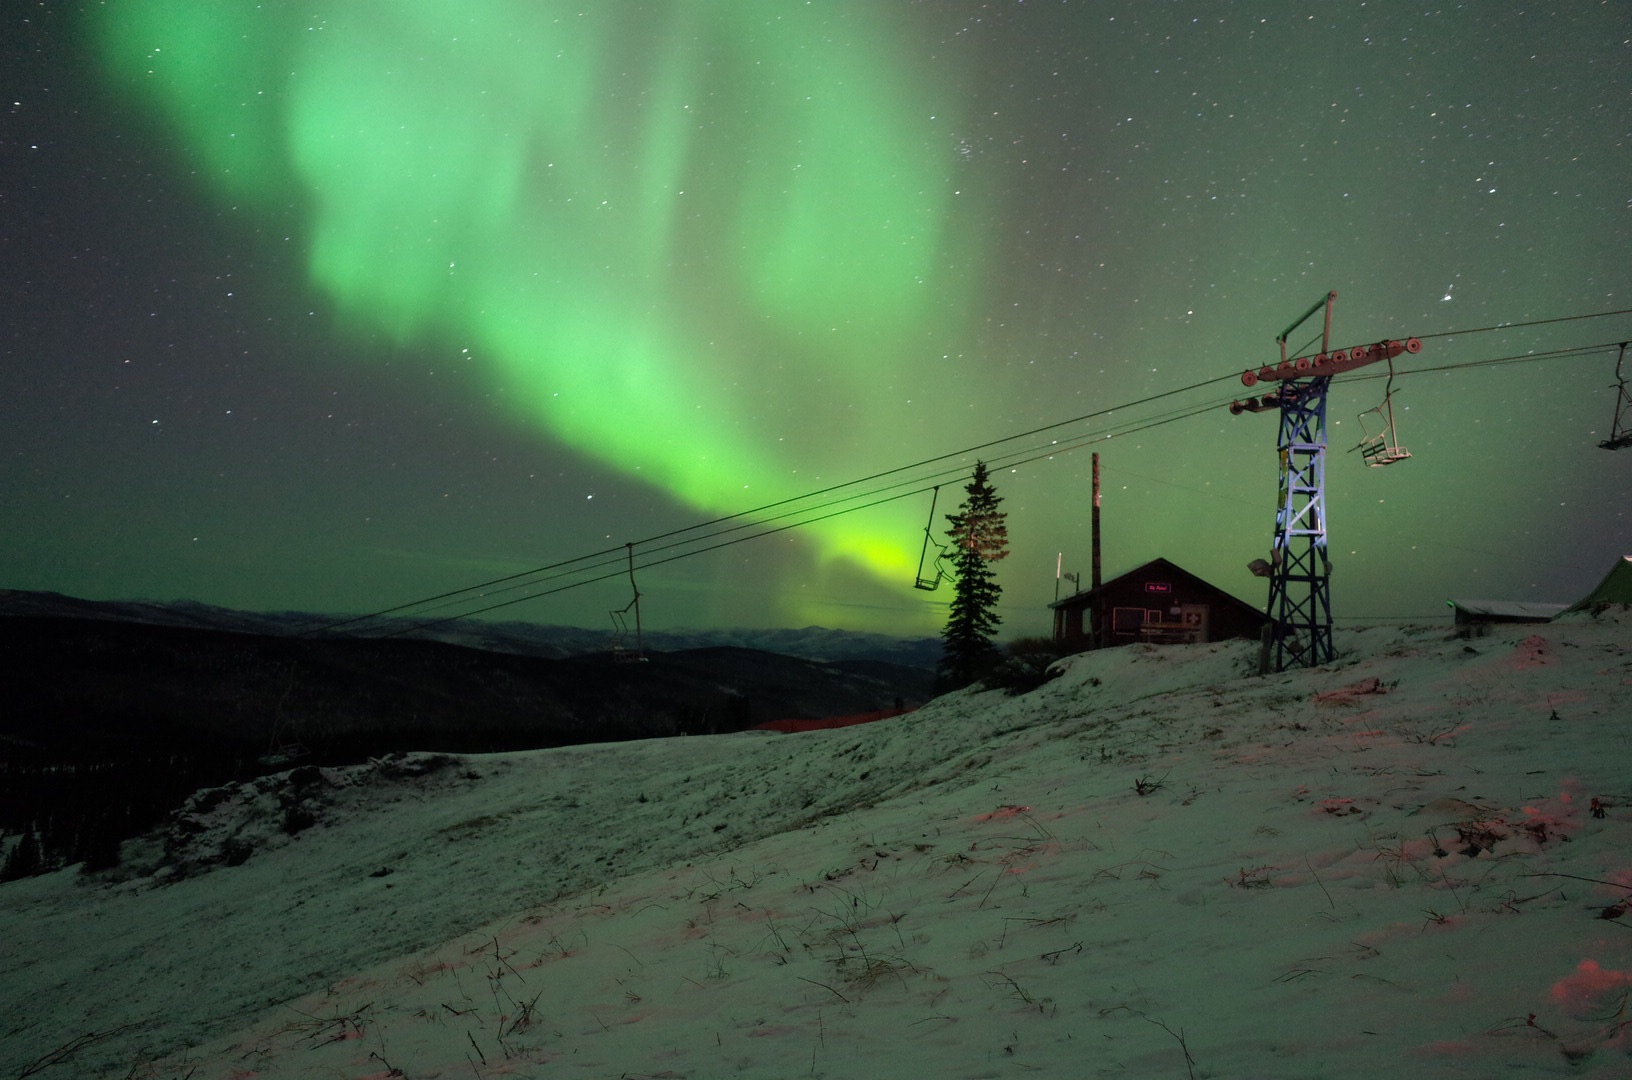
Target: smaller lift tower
{"x": 1299, "y": 569}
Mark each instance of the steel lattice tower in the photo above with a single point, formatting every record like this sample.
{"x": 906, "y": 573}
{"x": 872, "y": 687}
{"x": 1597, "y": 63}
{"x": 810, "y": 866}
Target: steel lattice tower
{"x": 1300, "y": 589}
{"x": 1299, "y": 570}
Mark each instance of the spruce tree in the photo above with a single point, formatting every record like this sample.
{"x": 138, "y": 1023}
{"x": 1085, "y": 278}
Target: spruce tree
{"x": 979, "y": 537}
{"x": 24, "y": 859}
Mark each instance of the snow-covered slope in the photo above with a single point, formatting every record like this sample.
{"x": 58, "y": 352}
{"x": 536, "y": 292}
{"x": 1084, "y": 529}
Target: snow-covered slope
{"x": 1156, "y": 865}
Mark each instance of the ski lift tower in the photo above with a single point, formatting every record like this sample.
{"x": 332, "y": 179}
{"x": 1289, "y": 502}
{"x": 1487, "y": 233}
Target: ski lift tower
{"x": 1299, "y": 569}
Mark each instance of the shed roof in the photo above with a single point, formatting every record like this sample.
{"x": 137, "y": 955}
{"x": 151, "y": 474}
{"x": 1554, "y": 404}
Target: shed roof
{"x": 1506, "y": 609}
{"x": 1158, "y": 565}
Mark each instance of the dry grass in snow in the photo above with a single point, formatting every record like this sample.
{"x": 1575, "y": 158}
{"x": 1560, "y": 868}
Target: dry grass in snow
{"x": 1416, "y": 862}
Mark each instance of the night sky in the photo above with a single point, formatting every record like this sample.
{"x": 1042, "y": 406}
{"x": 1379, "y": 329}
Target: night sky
{"x": 339, "y": 305}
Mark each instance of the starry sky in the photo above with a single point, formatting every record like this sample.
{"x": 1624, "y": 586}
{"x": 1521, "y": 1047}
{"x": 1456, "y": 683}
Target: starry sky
{"x": 348, "y": 304}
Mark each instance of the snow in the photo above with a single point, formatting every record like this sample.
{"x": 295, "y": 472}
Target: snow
{"x": 1156, "y": 865}
{"x": 1509, "y": 609}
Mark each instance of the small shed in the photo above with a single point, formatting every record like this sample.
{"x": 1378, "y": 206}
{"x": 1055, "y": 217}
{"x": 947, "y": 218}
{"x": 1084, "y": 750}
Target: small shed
{"x": 1518, "y": 611}
{"x": 1158, "y": 602}
{"x": 1475, "y": 617}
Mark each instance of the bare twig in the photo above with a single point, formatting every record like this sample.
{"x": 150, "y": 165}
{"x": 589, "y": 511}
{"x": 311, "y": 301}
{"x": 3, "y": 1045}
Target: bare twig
{"x": 1520, "y": 1023}
{"x": 1019, "y": 991}
{"x": 390, "y": 1069}
{"x": 1145, "y": 785}
{"x": 1578, "y": 877}
{"x": 826, "y": 987}
{"x": 995, "y": 881}
{"x": 526, "y": 1016}
{"x": 503, "y": 960}
{"x": 1319, "y": 882}
{"x": 1189, "y": 1062}
{"x": 69, "y": 1049}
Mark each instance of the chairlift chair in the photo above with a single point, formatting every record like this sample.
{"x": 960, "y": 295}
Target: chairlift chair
{"x": 285, "y": 747}
{"x": 620, "y": 635}
{"x": 621, "y": 651}
{"x": 1383, "y": 446}
{"x": 1620, "y": 429}
{"x": 931, "y": 581}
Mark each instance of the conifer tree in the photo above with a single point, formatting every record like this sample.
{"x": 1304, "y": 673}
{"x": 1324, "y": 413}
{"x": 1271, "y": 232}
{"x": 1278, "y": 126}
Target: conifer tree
{"x": 24, "y": 859}
{"x": 979, "y": 537}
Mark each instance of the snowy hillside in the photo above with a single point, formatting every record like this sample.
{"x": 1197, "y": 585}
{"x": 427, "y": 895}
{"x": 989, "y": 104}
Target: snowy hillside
{"x": 1417, "y": 862}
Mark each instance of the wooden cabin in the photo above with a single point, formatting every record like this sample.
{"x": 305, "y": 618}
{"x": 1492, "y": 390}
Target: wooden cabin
{"x": 1159, "y": 602}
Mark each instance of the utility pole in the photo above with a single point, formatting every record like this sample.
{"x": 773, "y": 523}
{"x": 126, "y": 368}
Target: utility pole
{"x": 1096, "y": 620}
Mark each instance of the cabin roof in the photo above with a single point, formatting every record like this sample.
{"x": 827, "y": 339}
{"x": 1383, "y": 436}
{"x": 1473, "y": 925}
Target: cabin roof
{"x": 1165, "y": 567}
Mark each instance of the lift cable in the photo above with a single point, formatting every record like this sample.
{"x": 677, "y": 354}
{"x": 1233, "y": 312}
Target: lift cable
{"x": 1520, "y": 325}
{"x": 882, "y": 499}
{"x": 1495, "y": 361}
{"x": 756, "y": 513}
{"x": 748, "y": 519}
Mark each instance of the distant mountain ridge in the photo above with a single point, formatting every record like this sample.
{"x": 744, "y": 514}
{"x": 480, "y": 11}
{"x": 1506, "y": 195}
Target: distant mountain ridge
{"x": 115, "y": 712}
{"x": 523, "y": 638}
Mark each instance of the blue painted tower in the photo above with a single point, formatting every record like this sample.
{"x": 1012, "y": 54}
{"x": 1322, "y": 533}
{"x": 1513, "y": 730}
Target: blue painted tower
{"x": 1298, "y": 568}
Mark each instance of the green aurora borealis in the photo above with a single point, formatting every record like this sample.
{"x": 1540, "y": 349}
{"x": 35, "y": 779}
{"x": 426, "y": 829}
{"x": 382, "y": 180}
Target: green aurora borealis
{"x": 591, "y": 201}
{"x": 578, "y": 275}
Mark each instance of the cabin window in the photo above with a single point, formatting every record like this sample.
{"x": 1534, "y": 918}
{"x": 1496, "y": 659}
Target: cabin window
{"x": 1127, "y": 620}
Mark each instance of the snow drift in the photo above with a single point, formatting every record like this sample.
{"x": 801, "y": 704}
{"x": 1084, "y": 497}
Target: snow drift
{"x": 1417, "y": 861}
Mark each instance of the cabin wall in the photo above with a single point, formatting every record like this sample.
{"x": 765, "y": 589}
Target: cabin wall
{"x": 1159, "y": 606}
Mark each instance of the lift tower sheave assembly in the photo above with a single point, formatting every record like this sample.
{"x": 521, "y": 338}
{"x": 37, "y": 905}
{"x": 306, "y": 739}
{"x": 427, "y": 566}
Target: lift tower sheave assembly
{"x": 1299, "y": 569}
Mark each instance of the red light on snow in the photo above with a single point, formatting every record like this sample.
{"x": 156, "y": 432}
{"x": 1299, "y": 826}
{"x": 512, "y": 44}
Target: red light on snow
{"x": 1003, "y": 813}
